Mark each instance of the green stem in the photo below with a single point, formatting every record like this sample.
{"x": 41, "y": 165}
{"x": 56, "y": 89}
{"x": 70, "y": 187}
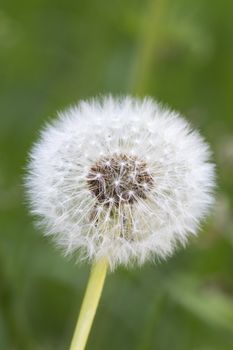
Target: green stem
{"x": 89, "y": 305}
{"x": 148, "y": 47}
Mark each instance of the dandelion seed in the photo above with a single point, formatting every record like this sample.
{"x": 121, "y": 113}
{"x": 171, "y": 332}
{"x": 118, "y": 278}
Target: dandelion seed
{"x": 123, "y": 179}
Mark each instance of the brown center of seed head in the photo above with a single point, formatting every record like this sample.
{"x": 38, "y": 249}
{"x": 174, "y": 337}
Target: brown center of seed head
{"x": 119, "y": 179}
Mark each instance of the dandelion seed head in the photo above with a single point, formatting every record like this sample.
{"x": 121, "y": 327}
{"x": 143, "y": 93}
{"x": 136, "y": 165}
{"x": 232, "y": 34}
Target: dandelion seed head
{"x": 123, "y": 178}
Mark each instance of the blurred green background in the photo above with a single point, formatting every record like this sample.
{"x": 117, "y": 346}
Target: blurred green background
{"x": 53, "y": 53}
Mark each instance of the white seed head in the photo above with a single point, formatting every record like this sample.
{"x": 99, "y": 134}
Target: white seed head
{"x": 122, "y": 178}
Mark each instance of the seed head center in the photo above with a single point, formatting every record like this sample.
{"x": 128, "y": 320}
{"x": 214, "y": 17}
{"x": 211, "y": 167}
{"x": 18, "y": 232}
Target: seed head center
{"x": 119, "y": 179}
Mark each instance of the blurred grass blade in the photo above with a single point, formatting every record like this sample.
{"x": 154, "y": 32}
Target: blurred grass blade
{"x": 208, "y": 304}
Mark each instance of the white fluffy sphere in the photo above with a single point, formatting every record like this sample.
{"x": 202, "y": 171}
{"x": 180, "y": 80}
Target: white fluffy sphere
{"x": 120, "y": 177}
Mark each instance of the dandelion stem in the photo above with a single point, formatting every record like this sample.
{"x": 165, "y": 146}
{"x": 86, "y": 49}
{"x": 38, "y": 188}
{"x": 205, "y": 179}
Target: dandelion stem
{"x": 89, "y": 305}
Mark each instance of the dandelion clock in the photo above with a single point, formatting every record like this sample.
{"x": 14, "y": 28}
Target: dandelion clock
{"x": 118, "y": 181}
